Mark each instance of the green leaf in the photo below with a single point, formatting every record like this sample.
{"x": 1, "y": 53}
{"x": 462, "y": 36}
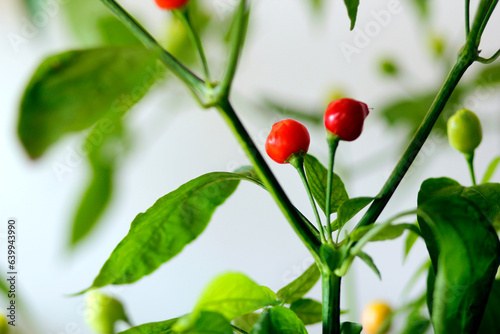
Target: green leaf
{"x": 390, "y": 232}
{"x": 350, "y": 328}
{"x": 300, "y": 286}
{"x": 352, "y": 10}
{"x": 317, "y": 176}
{"x": 246, "y": 321}
{"x": 161, "y": 233}
{"x": 163, "y": 327}
{"x": 369, "y": 261}
{"x": 103, "y": 145}
{"x": 492, "y": 167}
{"x": 231, "y": 295}
{"x": 411, "y": 238}
{"x": 210, "y": 322}
{"x": 489, "y": 76}
{"x": 308, "y": 310}
{"x": 350, "y": 208}
{"x": 423, "y": 7}
{"x": 71, "y": 91}
{"x": 490, "y": 323}
{"x": 465, "y": 260}
{"x": 416, "y": 324}
{"x": 93, "y": 25}
{"x": 279, "y": 320}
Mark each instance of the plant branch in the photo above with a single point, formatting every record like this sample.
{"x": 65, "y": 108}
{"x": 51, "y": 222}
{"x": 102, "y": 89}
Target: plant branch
{"x": 300, "y": 226}
{"x": 467, "y": 18}
{"x": 489, "y": 60}
{"x": 298, "y": 163}
{"x": 240, "y": 20}
{"x": 195, "y": 84}
{"x": 183, "y": 16}
{"x": 331, "y": 302}
{"x": 470, "y": 163}
{"x": 333, "y": 143}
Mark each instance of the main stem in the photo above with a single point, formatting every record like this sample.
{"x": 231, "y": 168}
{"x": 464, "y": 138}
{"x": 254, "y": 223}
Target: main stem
{"x": 464, "y": 61}
{"x": 300, "y": 226}
{"x": 331, "y": 302}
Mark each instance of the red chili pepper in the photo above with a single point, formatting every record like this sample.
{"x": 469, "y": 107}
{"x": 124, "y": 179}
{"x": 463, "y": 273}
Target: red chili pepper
{"x": 171, "y": 4}
{"x": 345, "y": 118}
{"x": 288, "y": 138}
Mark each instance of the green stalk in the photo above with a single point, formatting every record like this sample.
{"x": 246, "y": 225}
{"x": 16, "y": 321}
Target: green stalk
{"x": 470, "y": 163}
{"x": 183, "y": 16}
{"x": 465, "y": 59}
{"x": 467, "y": 18}
{"x": 299, "y": 224}
{"x": 195, "y": 84}
{"x": 298, "y": 163}
{"x": 331, "y": 302}
{"x": 333, "y": 143}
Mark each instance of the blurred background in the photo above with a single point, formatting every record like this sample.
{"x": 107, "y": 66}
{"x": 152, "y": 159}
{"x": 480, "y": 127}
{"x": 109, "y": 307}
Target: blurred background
{"x": 299, "y": 55}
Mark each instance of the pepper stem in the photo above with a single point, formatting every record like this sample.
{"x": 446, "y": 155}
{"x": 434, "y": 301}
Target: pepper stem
{"x": 333, "y": 143}
{"x": 298, "y": 162}
{"x": 470, "y": 162}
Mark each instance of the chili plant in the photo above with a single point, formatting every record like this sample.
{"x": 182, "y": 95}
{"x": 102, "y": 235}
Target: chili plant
{"x": 459, "y": 224}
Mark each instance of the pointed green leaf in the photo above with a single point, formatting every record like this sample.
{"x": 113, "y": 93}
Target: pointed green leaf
{"x": 492, "y": 167}
{"x": 279, "y": 320}
{"x": 71, "y": 91}
{"x": 465, "y": 259}
{"x": 161, "y": 233}
{"x": 300, "y": 286}
{"x": 352, "y": 10}
{"x": 350, "y": 208}
{"x": 350, "y": 328}
{"x": 163, "y": 327}
{"x": 231, "y": 295}
{"x": 411, "y": 238}
{"x": 416, "y": 324}
{"x": 317, "y": 176}
{"x": 103, "y": 145}
{"x": 369, "y": 262}
{"x": 246, "y": 321}
{"x": 308, "y": 310}
{"x": 390, "y": 232}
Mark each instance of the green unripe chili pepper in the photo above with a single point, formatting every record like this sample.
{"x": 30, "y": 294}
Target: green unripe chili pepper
{"x": 103, "y": 312}
{"x": 464, "y": 131}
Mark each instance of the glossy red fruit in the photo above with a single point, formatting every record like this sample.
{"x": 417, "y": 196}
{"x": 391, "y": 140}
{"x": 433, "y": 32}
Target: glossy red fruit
{"x": 171, "y": 4}
{"x": 287, "y": 138}
{"x": 345, "y": 118}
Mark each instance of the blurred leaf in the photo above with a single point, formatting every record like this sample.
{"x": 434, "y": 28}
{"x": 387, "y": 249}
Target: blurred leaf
{"x": 350, "y": 328}
{"x": 162, "y": 327}
{"x": 350, "y": 208}
{"x": 352, "y": 11}
{"x": 416, "y": 324}
{"x": 423, "y": 7}
{"x": 489, "y": 76}
{"x": 492, "y": 167}
{"x": 279, "y": 320}
{"x": 317, "y": 5}
{"x": 208, "y": 322}
{"x": 33, "y": 6}
{"x": 103, "y": 146}
{"x": 71, "y": 91}
{"x": 465, "y": 259}
{"x": 411, "y": 238}
{"x": 103, "y": 312}
{"x": 389, "y": 67}
{"x": 161, "y": 233}
{"x": 411, "y": 111}
{"x": 246, "y": 321}
{"x": 232, "y": 295}
{"x": 310, "y": 115}
{"x": 308, "y": 310}
{"x": 317, "y": 176}
{"x": 490, "y": 323}
{"x": 93, "y": 25}
{"x": 300, "y": 286}
{"x": 369, "y": 262}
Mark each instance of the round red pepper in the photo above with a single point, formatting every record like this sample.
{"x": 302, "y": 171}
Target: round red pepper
{"x": 288, "y": 138}
{"x": 345, "y": 118}
{"x": 171, "y": 4}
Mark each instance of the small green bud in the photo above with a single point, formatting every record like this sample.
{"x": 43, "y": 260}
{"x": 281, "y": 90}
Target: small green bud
{"x": 464, "y": 131}
{"x": 103, "y": 312}
{"x": 4, "y": 326}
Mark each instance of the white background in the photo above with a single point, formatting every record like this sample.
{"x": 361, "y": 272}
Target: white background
{"x": 290, "y": 53}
